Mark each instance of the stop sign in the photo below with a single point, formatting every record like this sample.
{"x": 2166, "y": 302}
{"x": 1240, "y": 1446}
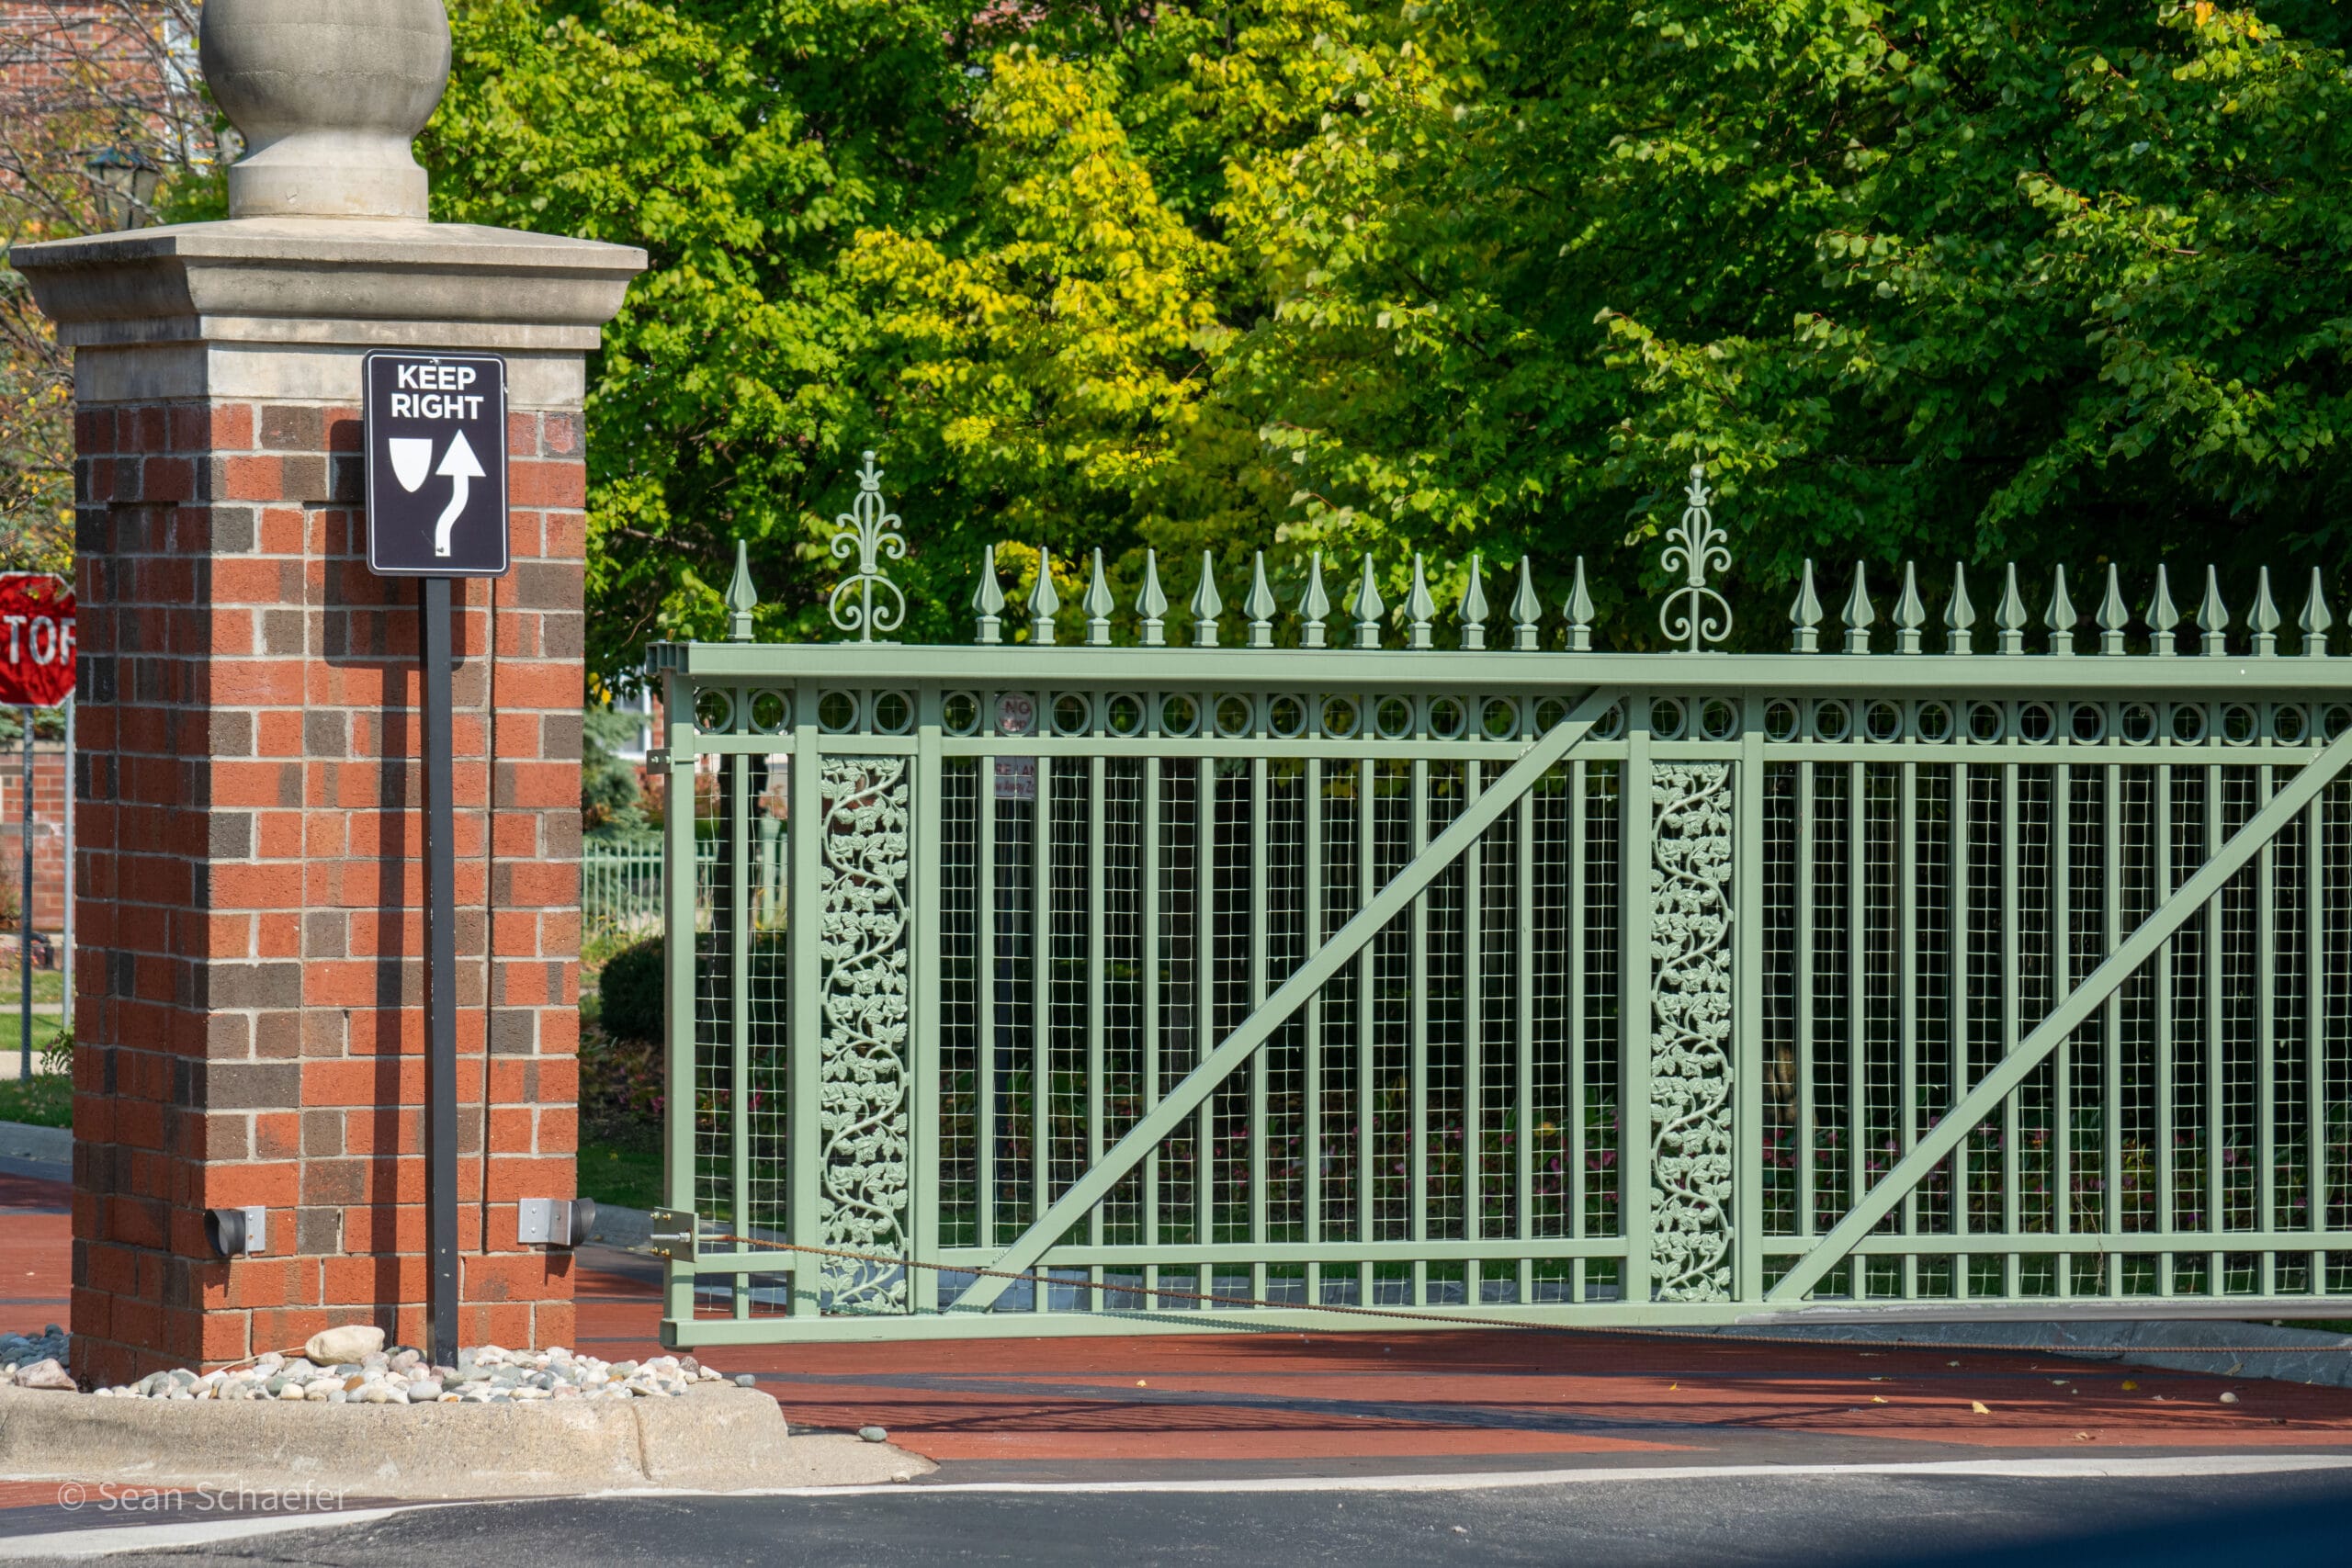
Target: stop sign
{"x": 36, "y": 640}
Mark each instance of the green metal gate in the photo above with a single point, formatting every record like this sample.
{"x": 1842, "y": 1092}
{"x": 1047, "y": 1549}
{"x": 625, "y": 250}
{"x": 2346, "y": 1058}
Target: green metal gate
{"x": 1481, "y": 981}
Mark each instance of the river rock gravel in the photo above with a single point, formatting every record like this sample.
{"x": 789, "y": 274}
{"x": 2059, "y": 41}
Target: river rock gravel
{"x": 34, "y": 1360}
{"x": 489, "y": 1374}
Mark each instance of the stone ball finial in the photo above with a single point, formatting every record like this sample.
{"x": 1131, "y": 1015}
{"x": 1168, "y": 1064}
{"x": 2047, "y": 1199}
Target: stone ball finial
{"x": 328, "y": 95}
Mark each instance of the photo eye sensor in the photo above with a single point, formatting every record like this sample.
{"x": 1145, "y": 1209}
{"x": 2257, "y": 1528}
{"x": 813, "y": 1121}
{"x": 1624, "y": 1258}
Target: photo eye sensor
{"x": 237, "y": 1232}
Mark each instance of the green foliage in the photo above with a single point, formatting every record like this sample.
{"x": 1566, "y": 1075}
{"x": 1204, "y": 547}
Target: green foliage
{"x": 629, "y": 992}
{"x": 621, "y": 1082}
{"x": 45, "y": 1100}
{"x": 1966, "y": 278}
{"x": 609, "y": 791}
{"x": 622, "y": 1167}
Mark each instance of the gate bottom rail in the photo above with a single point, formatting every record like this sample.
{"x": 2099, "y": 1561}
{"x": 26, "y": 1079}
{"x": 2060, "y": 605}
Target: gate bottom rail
{"x": 678, "y": 1240}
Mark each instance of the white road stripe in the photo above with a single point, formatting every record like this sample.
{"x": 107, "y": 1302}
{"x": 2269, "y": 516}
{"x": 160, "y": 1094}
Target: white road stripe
{"x": 102, "y": 1542}
{"x": 2067, "y": 1469}
{"x": 105, "y": 1541}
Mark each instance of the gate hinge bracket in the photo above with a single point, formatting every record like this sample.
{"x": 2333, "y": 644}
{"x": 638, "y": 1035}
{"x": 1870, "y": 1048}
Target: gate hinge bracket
{"x": 676, "y": 1235}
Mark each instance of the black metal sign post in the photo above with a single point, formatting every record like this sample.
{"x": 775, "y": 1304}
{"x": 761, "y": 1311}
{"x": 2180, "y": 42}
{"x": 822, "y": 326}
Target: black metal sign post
{"x": 434, "y": 421}
{"x": 440, "y": 970}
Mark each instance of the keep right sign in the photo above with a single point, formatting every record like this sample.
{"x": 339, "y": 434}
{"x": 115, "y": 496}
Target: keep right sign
{"x": 436, "y": 464}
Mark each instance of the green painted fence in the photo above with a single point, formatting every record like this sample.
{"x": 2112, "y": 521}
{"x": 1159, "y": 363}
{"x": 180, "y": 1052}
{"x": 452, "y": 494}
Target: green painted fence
{"x": 1492, "y": 981}
{"x": 620, "y": 891}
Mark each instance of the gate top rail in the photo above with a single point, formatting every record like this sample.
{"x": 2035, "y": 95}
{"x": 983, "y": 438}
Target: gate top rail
{"x": 1693, "y": 614}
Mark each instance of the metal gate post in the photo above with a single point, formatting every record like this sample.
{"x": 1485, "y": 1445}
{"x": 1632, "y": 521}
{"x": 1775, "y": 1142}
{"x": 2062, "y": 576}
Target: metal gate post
{"x": 805, "y": 938}
{"x": 1637, "y": 825}
{"x": 923, "y": 1092}
{"x": 681, "y": 874}
{"x": 1747, "y": 1045}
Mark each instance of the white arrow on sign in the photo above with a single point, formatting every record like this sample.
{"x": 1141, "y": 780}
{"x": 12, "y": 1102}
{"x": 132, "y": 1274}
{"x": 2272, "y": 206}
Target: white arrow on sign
{"x": 462, "y": 467}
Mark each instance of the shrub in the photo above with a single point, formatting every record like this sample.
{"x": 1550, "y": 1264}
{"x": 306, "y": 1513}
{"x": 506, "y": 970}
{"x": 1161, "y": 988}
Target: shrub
{"x": 620, "y": 1085}
{"x": 629, "y": 993}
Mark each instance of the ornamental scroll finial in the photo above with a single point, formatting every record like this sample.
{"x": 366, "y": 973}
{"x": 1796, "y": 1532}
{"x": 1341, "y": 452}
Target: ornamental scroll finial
{"x": 870, "y": 529}
{"x": 1696, "y": 614}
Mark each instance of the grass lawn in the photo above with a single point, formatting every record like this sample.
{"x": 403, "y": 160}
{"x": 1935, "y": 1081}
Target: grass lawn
{"x": 625, "y": 1168}
{"x": 49, "y": 985}
{"x": 47, "y": 1026}
{"x": 46, "y": 1100}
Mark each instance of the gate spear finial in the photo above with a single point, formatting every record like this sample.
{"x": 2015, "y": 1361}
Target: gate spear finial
{"x": 1367, "y": 609}
{"x": 1804, "y": 616}
{"x": 1910, "y": 613}
{"x": 2316, "y": 620}
{"x": 2114, "y": 616}
{"x": 1098, "y": 606}
{"x": 2265, "y": 619}
{"x": 2010, "y": 616}
{"x": 1206, "y": 604}
{"x": 2213, "y": 619}
{"x": 2060, "y": 617}
{"x": 1474, "y": 610}
{"x": 1261, "y": 606}
{"x": 1420, "y": 608}
{"x": 1151, "y": 604}
{"x": 1314, "y": 604}
{"x": 1526, "y": 609}
{"x": 1960, "y": 615}
{"x": 1043, "y": 602}
{"x": 1858, "y": 613}
{"x": 1579, "y": 613}
{"x": 988, "y": 601}
{"x": 742, "y": 597}
{"x": 2164, "y": 616}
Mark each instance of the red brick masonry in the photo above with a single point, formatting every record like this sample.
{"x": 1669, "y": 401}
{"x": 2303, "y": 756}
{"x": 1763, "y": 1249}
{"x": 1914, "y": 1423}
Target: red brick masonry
{"x": 249, "y": 967}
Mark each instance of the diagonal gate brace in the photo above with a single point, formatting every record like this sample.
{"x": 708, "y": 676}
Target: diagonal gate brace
{"x": 2102, "y": 983}
{"x": 1271, "y": 1014}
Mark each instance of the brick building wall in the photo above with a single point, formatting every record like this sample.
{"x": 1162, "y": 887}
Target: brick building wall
{"x": 49, "y": 47}
{"x": 49, "y": 831}
{"x": 249, "y": 973}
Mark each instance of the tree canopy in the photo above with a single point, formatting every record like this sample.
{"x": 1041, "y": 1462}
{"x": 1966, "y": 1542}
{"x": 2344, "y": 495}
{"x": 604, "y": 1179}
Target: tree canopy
{"x": 2062, "y": 282}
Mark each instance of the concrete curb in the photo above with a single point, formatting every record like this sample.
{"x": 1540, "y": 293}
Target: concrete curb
{"x": 714, "y": 1439}
{"x": 2302, "y": 1355}
{"x": 51, "y": 1145}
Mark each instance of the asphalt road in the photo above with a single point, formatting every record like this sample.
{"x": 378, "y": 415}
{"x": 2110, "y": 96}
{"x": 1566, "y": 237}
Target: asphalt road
{"x": 1816, "y": 1520}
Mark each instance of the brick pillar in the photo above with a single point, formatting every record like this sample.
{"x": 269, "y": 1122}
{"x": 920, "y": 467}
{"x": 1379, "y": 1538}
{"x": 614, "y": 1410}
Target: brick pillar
{"x": 249, "y": 986}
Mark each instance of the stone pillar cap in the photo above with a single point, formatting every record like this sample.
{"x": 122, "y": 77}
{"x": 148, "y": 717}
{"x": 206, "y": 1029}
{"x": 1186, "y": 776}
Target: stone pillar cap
{"x": 325, "y": 281}
{"x": 328, "y": 95}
